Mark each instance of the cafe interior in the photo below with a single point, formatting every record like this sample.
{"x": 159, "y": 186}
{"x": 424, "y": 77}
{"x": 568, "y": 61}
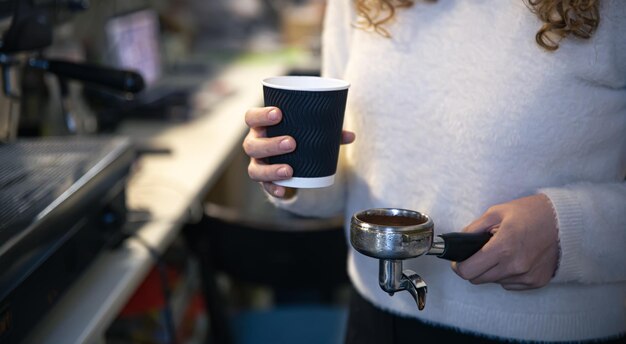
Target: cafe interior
{"x": 126, "y": 211}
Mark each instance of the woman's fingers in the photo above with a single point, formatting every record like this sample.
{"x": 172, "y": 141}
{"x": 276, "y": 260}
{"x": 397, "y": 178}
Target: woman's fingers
{"x": 263, "y": 147}
{"x": 347, "y": 137}
{"x": 262, "y": 117}
{"x": 274, "y": 190}
{"x": 258, "y": 146}
{"x": 490, "y": 276}
{"x": 484, "y": 223}
{"x": 516, "y": 287}
{"x": 261, "y": 172}
{"x": 474, "y": 266}
{"x": 486, "y": 259}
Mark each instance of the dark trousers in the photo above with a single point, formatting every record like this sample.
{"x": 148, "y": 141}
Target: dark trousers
{"x": 370, "y": 325}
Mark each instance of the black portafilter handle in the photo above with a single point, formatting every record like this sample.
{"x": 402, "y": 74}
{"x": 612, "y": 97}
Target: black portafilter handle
{"x": 460, "y": 246}
{"x": 119, "y": 80}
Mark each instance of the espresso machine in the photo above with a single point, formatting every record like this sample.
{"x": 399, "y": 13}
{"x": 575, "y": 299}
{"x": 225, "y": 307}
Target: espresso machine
{"x": 31, "y": 31}
{"x": 62, "y": 199}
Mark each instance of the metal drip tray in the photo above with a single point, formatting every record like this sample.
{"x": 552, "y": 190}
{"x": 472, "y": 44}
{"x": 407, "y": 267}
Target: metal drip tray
{"x": 47, "y": 184}
{"x": 36, "y": 173}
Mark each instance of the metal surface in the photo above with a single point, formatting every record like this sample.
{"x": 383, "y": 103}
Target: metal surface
{"x": 416, "y": 286}
{"x": 391, "y": 235}
{"x": 391, "y": 241}
{"x": 389, "y": 275}
{"x": 45, "y": 179}
{"x": 438, "y": 247}
{"x": 36, "y": 172}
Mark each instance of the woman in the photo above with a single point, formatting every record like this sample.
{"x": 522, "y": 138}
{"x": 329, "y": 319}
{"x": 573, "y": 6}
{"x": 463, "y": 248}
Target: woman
{"x": 499, "y": 116}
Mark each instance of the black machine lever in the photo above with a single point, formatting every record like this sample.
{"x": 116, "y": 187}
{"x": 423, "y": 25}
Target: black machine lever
{"x": 120, "y": 80}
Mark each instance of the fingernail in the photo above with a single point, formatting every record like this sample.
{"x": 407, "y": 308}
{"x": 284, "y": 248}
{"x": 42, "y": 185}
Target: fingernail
{"x": 283, "y": 172}
{"x": 273, "y": 115}
{"x": 286, "y": 144}
{"x": 278, "y": 192}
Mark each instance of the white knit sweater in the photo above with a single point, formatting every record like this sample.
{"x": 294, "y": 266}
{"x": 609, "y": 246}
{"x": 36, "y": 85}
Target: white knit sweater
{"x": 461, "y": 110}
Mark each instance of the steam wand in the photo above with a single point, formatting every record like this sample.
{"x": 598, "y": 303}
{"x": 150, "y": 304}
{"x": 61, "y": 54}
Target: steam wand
{"x": 119, "y": 80}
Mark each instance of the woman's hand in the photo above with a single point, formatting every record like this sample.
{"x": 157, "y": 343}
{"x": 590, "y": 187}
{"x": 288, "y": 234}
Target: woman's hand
{"x": 258, "y": 146}
{"x": 524, "y": 250}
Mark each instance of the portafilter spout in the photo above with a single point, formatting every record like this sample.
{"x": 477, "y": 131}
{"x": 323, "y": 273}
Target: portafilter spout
{"x": 393, "y": 235}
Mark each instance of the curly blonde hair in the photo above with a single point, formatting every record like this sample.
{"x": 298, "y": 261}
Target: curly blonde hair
{"x": 561, "y": 18}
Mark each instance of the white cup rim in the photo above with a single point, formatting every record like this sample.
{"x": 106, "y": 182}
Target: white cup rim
{"x": 307, "y": 182}
{"x": 306, "y": 83}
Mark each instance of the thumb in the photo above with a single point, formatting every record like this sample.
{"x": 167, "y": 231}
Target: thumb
{"x": 484, "y": 223}
{"x": 347, "y": 137}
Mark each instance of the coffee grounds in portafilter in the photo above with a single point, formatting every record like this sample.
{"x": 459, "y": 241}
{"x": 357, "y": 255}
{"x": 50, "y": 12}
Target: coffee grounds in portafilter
{"x": 384, "y": 220}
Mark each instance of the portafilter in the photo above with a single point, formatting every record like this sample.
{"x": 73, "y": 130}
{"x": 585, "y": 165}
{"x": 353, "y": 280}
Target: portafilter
{"x": 393, "y": 235}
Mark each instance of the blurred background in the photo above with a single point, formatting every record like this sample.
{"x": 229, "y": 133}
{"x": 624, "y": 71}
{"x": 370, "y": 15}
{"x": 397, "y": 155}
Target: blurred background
{"x": 180, "y": 43}
{"x": 126, "y": 212}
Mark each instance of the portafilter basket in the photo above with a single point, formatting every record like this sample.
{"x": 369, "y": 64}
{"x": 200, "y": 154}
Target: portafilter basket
{"x": 393, "y": 235}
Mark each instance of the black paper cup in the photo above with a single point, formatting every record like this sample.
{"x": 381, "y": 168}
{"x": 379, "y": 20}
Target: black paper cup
{"x": 313, "y": 110}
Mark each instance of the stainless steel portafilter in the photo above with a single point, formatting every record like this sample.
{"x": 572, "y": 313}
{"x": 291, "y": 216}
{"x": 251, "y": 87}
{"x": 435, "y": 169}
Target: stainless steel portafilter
{"x": 392, "y": 235}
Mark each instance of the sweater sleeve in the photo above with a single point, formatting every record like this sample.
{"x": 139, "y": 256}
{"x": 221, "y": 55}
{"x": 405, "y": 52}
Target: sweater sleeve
{"x": 326, "y": 202}
{"x": 592, "y": 231}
